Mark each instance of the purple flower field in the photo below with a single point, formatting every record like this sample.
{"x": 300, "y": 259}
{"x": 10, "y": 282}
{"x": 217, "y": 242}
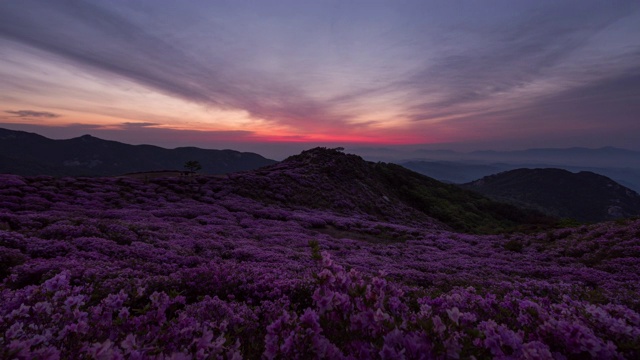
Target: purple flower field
{"x": 194, "y": 268}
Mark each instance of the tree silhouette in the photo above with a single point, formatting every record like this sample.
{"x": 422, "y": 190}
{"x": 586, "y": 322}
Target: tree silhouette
{"x": 192, "y": 165}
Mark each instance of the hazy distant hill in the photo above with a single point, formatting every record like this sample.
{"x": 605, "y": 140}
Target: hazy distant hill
{"x": 463, "y": 172}
{"x": 329, "y": 179}
{"x": 583, "y": 196}
{"x": 454, "y": 172}
{"x": 26, "y": 153}
{"x": 577, "y": 156}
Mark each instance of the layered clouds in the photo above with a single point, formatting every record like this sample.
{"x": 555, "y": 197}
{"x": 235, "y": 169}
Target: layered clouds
{"x": 388, "y": 72}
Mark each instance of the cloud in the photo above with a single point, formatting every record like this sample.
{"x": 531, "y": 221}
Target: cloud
{"x": 105, "y": 41}
{"x": 511, "y": 56}
{"x": 454, "y": 79}
{"x": 599, "y": 113}
{"x": 135, "y": 125}
{"x": 610, "y": 103}
{"x": 32, "y": 114}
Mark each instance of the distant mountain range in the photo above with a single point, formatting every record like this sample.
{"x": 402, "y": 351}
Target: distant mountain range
{"x": 454, "y": 172}
{"x": 584, "y": 196}
{"x": 463, "y": 172}
{"x": 606, "y": 157}
{"x": 24, "y": 153}
{"x": 621, "y": 165}
{"x": 329, "y": 179}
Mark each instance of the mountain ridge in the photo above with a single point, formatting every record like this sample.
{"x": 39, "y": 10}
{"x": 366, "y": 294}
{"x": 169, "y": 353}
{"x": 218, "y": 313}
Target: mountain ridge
{"x": 329, "y": 179}
{"x": 27, "y": 154}
{"x": 584, "y": 196}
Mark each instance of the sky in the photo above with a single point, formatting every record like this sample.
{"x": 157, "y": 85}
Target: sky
{"x": 276, "y": 77}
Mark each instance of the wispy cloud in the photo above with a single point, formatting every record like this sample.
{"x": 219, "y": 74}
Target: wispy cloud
{"x": 102, "y": 40}
{"x": 510, "y": 57}
{"x": 32, "y": 114}
{"x": 137, "y": 125}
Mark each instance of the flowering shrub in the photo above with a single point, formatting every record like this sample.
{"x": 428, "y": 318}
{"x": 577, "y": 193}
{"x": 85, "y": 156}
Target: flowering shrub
{"x": 105, "y": 268}
{"x": 358, "y": 317}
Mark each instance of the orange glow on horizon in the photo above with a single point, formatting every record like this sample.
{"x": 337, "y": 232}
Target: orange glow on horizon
{"x": 100, "y": 124}
{"x": 331, "y": 138}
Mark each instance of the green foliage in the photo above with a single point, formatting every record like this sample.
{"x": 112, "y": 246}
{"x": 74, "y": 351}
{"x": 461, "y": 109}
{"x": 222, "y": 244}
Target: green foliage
{"x": 8, "y": 259}
{"x": 315, "y": 250}
{"x": 463, "y": 210}
{"x": 568, "y": 222}
{"x": 514, "y": 245}
{"x": 192, "y": 166}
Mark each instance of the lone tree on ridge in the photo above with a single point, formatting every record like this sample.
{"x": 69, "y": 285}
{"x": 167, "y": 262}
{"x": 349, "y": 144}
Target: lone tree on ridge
{"x": 192, "y": 166}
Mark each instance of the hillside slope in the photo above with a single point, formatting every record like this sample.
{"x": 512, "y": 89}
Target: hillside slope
{"x": 584, "y": 196}
{"x": 185, "y": 267}
{"x": 24, "y": 153}
{"x": 329, "y": 179}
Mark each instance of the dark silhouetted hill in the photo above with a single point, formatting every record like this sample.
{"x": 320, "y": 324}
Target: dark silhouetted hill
{"x": 329, "y": 179}
{"x": 24, "y": 153}
{"x": 460, "y": 172}
{"x": 606, "y": 156}
{"x": 621, "y": 165}
{"x": 584, "y": 196}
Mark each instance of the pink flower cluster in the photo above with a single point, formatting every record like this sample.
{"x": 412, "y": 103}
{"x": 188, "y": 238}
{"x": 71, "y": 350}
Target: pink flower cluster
{"x": 175, "y": 268}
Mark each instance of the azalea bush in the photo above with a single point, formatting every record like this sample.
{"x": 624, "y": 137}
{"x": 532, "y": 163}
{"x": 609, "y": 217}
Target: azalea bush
{"x": 194, "y": 268}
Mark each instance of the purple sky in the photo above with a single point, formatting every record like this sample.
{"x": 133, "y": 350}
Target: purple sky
{"x": 279, "y": 76}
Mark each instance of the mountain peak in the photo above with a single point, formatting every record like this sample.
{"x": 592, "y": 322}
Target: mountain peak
{"x": 87, "y": 137}
{"x": 321, "y": 155}
{"x": 332, "y": 161}
{"x": 329, "y": 179}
